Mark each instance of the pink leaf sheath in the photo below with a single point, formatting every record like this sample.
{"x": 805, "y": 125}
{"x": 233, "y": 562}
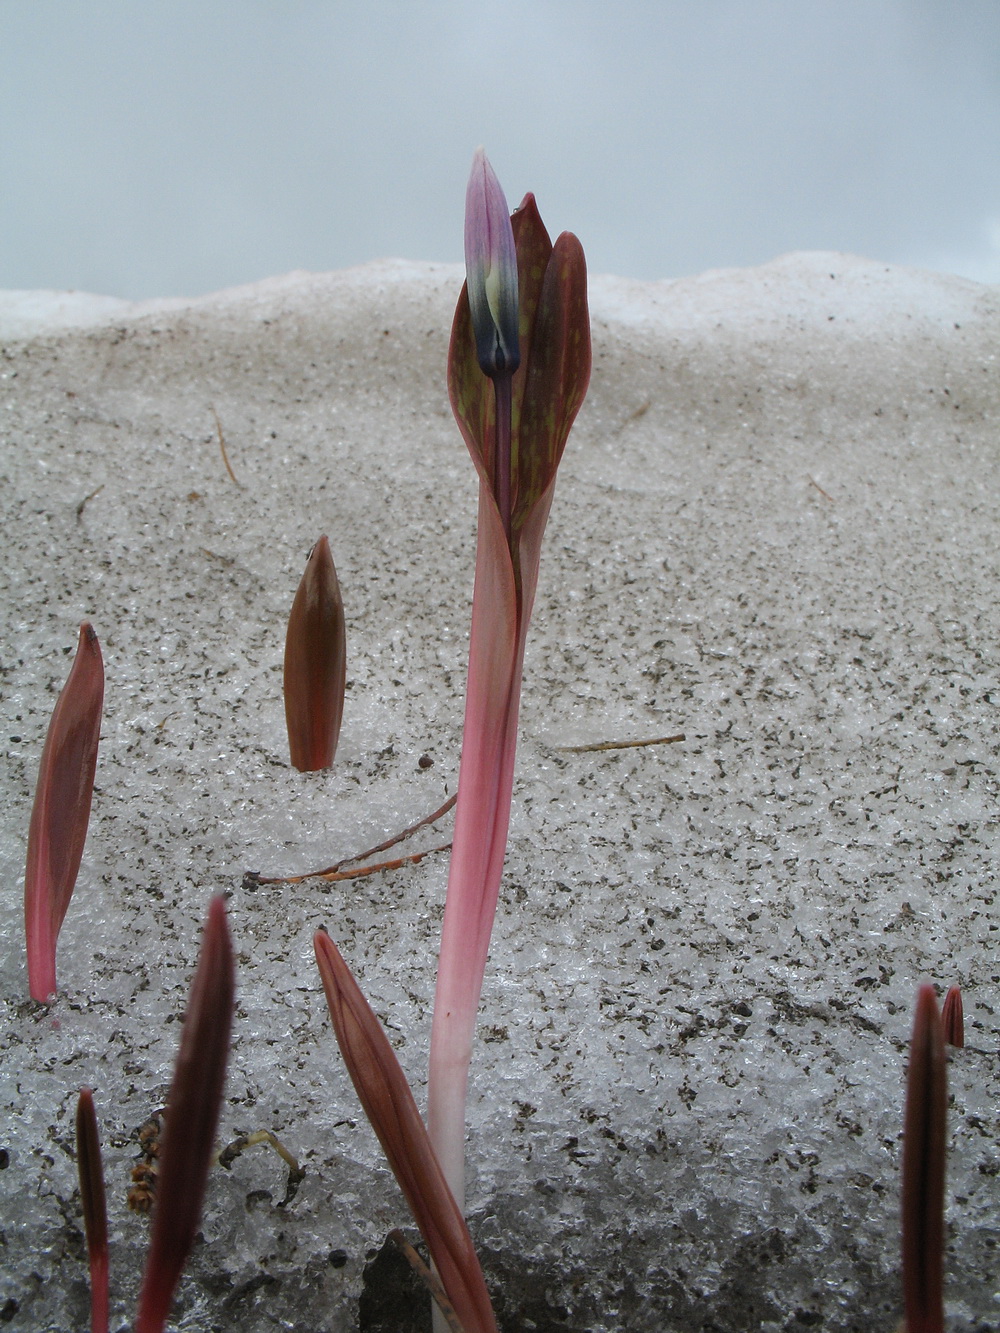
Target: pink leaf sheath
{"x": 923, "y": 1170}
{"x": 315, "y": 664}
{"x": 953, "y": 1018}
{"x": 388, "y": 1103}
{"x": 192, "y": 1116}
{"x": 95, "y": 1213}
{"x": 61, "y": 812}
{"x": 482, "y": 815}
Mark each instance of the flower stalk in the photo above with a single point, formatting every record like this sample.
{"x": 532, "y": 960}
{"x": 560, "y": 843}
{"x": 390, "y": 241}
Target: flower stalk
{"x": 315, "y": 670}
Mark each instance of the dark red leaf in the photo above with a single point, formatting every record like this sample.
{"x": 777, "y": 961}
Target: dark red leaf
{"x": 923, "y": 1170}
{"x": 61, "y": 812}
{"x": 558, "y": 373}
{"x": 534, "y": 249}
{"x": 953, "y": 1018}
{"x": 95, "y": 1213}
{"x": 388, "y": 1103}
{"x": 192, "y": 1116}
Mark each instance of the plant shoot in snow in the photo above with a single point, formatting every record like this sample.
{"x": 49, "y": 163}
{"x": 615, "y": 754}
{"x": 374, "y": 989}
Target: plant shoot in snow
{"x": 192, "y": 1116}
{"x": 388, "y": 1103}
{"x": 61, "y": 812}
{"x": 515, "y": 393}
{"x": 923, "y": 1170}
{"x": 953, "y": 1018}
{"x": 315, "y": 673}
{"x": 95, "y": 1212}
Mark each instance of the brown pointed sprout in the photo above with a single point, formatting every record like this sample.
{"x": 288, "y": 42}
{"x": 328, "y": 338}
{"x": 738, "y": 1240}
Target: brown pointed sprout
{"x": 315, "y": 664}
{"x": 953, "y": 1018}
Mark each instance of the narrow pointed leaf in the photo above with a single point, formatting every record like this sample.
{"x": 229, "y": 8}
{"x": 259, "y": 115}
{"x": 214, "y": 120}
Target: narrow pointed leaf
{"x": 315, "y": 664}
{"x": 61, "y": 811}
{"x": 557, "y": 375}
{"x": 953, "y": 1018}
{"x": 534, "y": 249}
{"x": 95, "y": 1213}
{"x": 923, "y": 1170}
{"x": 388, "y": 1103}
{"x": 192, "y": 1116}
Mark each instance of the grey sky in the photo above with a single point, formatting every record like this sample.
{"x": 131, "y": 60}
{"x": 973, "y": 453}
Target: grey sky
{"x": 164, "y": 147}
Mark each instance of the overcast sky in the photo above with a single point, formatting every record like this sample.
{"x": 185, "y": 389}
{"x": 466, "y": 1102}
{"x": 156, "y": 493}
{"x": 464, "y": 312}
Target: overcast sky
{"x": 173, "y": 147}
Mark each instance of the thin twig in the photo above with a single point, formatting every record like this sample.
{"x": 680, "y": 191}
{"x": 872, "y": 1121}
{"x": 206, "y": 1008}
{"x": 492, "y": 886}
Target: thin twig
{"x": 637, "y": 415}
{"x": 813, "y": 482}
{"x": 332, "y": 875}
{"x": 399, "y": 837}
{"x": 333, "y": 872}
{"x": 83, "y": 503}
{"x": 222, "y": 446}
{"x": 621, "y": 745}
{"x": 428, "y": 1278}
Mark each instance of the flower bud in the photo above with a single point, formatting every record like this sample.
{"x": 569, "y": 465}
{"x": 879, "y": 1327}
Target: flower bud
{"x": 491, "y": 267}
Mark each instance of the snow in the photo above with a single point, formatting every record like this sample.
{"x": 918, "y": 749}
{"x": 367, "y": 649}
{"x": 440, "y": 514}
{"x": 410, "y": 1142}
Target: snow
{"x": 774, "y": 531}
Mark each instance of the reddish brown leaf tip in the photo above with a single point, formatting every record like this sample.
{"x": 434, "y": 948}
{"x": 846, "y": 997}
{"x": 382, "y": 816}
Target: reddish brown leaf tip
{"x": 388, "y": 1103}
{"x": 61, "y": 812}
{"x": 315, "y": 664}
{"x": 192, "y": 1116}
{"x": 953, "y": 1018}
{"x": 923, "y": 1170}
{"x": 95, "y": 1215}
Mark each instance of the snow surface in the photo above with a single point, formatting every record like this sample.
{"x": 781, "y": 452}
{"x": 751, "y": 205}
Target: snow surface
{"x": 775, "y": 530}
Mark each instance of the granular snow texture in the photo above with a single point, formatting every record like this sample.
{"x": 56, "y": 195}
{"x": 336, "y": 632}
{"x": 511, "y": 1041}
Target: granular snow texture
{"x": 775, "y": 531}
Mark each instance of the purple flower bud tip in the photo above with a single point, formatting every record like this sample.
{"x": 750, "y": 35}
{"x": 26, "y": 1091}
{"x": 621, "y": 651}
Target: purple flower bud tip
{"x": 491, "y": 267}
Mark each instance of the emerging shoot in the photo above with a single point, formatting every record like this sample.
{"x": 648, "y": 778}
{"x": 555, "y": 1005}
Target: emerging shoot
{"x": 315, "y": 664}
{"x": 61, "y": 812}
{"x": 388, "y": 1103}
{"x": 95, "y": 1213}
{"x": 953, "y": 1018}
{"x": 514, "y": 400}
{"x": 923, "y": 1170}
{"x": 191, "y": 1120}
